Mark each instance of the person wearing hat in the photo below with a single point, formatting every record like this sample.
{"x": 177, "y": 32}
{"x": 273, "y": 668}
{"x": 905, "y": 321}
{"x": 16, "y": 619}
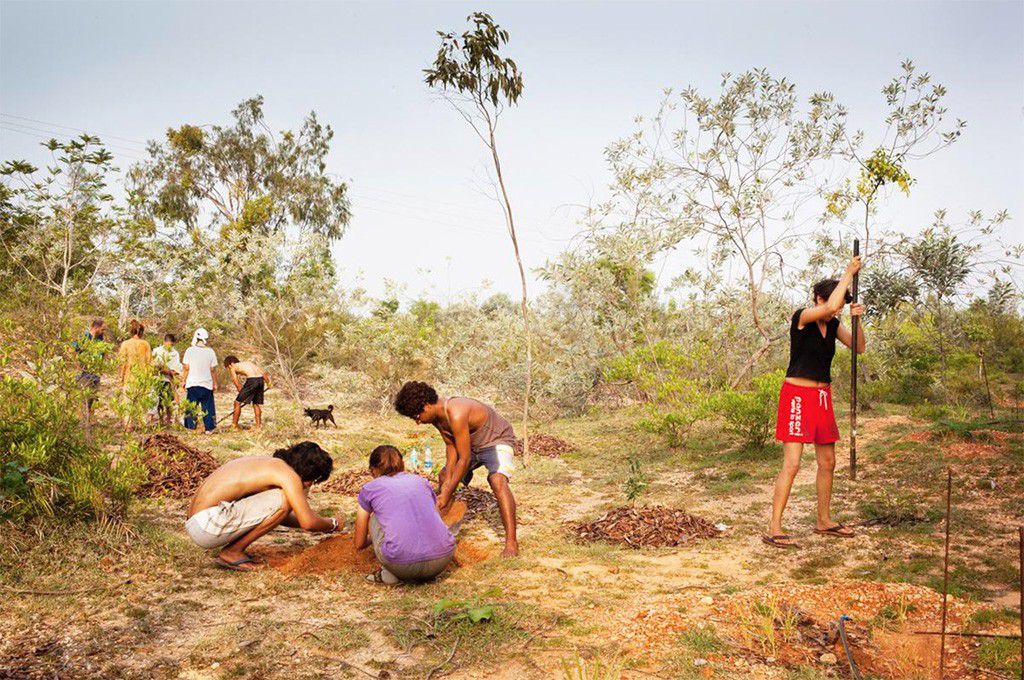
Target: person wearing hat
{"x": 199, "y": 382}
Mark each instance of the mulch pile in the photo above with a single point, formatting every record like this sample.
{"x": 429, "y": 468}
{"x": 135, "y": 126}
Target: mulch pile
{"x": 175, "y": 469}
{"x": 477, "y": 500}
{"x": 546, "y": 445}
{"x": 346, "y": 483}
{"x": 652, "y": 526}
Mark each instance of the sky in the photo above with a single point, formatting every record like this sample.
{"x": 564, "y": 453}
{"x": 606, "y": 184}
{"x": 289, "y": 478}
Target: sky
{"x": 422, "y": 221}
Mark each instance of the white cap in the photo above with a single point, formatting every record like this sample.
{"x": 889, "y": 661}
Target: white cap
{"x": 200, "y": 336}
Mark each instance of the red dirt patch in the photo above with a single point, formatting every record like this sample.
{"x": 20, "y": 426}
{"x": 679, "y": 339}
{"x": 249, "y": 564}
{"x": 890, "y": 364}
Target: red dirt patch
{"x": 646, "y": 527}
{"x": 174, "y": 468}
{"x": 331, "y": 554}
{"x": 971, "y": 451}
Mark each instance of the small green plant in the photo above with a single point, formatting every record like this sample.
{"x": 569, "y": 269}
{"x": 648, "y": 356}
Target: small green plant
{"x": 455, "y": 611}
{"x": 1001, "y": 655}
{"x": 893, "y": 615}
{"x": 766, "y": 623}
{"x": 750, "y": 414}
{"x": 636, "y": 480}
{"x": 592, "y": 669}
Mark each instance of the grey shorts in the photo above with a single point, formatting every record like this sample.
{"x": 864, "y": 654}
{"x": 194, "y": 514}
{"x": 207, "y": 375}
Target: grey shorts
{"x": 498, "y": 458}
{"x": 228, "y": 521}
{"x": 414, "y": 572}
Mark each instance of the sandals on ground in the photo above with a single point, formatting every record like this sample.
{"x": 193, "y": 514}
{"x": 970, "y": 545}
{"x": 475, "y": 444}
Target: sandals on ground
{"x": 777, "y": 541}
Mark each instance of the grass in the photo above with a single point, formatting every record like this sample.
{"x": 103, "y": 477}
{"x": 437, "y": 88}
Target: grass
{"x": 564, "y": 609}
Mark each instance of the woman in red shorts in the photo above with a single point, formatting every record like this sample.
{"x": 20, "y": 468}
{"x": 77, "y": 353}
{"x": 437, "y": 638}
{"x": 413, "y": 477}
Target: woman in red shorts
{"x": 805, "y": 414}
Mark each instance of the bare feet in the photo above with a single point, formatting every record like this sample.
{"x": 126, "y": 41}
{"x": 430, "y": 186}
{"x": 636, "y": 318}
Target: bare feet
{"x": 511, "y": 550}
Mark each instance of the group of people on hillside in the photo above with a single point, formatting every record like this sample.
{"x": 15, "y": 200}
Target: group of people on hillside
{"x": 191, "y": 374}
{"x": 399, "y": 513}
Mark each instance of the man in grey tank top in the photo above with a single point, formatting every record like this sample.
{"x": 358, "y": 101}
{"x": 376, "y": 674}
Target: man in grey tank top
{"x": 475, "y": 436}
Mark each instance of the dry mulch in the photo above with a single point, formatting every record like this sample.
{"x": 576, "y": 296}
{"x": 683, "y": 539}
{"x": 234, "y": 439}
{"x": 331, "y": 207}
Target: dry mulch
{"x": 175, "y": 469}
{"x": 349, "y": 482}
{"x": 476, "y": 500}
{"x": 651, "y": 526}
{"x": 546, "y": 445}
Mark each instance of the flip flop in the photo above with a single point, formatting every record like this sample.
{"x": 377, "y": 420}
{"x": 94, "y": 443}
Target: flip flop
{"x": 836, "y": 531}
{"x": 776, "y": 541}
{"x": 236, "y": 565}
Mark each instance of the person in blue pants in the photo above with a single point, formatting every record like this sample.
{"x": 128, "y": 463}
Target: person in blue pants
{"x": 199, "y": 381}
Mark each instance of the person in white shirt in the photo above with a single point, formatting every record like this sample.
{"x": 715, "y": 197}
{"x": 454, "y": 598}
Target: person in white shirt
{"x": 168, "y": 362}
{"x": 199, "y": 381}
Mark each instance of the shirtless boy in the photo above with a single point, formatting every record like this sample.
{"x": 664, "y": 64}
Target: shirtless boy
{"x": 251, "y": 382}
{"x": 475, "y": 435}
{"x": 247, "y": 497}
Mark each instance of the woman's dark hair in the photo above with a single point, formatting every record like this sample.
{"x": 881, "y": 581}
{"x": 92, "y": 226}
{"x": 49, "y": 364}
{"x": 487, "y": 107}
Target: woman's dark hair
{"x": 136, "y": 328}
{"x": 823, "y": 289}
{"x": 310, "y": 462}
{"x": 413, "y": 397}
{"x": 230, "y": 360}
{"x": 387, "y": 459}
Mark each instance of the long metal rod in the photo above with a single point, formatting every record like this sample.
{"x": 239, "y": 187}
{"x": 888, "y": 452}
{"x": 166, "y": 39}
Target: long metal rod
{"x": 963, "y": 634}
{"x": 1021, "y": 530}
{"x": 855, "y": 324}
{"x": 945, "y": 576}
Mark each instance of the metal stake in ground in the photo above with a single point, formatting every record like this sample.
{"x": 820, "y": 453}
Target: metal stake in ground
{"x": 945, "y": 576}
{"x": 855, "y": 324}
{"x": 1021, "y": 530}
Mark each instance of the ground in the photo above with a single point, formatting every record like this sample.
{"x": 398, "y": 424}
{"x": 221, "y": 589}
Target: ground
{"x": 141, "y": 601}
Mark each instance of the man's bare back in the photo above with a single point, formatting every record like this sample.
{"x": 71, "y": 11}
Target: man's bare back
{"x": 247, "y": 369}
{"x": 239, "y": 478}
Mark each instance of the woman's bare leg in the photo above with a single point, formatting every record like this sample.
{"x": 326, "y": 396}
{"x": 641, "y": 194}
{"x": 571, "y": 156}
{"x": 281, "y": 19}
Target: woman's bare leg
{"x": 791, "y": 452}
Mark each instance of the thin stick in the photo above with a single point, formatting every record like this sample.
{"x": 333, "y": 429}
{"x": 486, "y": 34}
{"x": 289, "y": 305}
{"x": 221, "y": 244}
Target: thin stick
{"x": 855, "y": 324}
{"x": 446, "y": 661}
{"x": 963, "y": 634}
{"x": 945, "y": 576}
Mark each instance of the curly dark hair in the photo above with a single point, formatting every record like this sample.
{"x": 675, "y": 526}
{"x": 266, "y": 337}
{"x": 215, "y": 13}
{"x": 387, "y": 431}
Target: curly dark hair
{"x": 413, "y": 397}
{"x": 310, "y": 462}
{"x": 230, "y": 360}
{"x": 823, "y": 289}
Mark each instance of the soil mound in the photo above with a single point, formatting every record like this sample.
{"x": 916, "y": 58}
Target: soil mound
{"x": 456, "y": 512}
{"x": 646, "y": 527}
{"x": 174, "y": 468}
{"x": 331, "y": 554}
{"x": 546, "y": 445}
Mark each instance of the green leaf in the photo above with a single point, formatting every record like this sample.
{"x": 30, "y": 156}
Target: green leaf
{"x": 478, "y": 614}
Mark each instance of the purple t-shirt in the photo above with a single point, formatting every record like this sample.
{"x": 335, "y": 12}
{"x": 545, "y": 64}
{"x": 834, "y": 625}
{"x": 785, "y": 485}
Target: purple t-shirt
{"x": 404, "y": 506}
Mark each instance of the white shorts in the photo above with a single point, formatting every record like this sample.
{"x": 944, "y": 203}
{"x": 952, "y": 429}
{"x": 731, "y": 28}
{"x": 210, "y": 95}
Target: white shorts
{"x": 498, "y": 458}
{"x": 230, "y": 520}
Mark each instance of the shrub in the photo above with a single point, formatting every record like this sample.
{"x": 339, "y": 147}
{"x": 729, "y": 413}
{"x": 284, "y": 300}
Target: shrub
{"x": 47, "y": 466}
{"x": 750, "y": 414}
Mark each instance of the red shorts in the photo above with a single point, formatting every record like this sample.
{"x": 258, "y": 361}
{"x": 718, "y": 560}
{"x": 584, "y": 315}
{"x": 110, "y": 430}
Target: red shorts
{"x": 806, "y": 415}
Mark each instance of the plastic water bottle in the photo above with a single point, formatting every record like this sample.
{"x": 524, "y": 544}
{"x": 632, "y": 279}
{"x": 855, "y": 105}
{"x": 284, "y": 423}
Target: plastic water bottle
{"x": 428, "y": 460}
{"x": 414, "y": 460}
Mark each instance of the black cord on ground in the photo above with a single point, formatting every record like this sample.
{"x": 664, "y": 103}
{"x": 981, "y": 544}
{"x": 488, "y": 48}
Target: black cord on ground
{"x": 846, "y": 646}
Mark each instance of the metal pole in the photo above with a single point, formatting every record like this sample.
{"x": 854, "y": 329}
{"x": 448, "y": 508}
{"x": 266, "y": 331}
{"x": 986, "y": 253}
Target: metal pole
{"x": 1021, "y": 530}
{"x": 945, "y": 576}
{"x": 855, "y": 323}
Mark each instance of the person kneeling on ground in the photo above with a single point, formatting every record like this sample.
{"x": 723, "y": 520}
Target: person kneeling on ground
{"x": 475, "y": 435}
{"x": 250, "y": 381}
{"x": 397, "y": 513}
{"x": 247, "y": 497}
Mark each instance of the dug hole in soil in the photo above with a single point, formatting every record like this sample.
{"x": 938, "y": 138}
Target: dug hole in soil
{"x": 174, "y": 468}
{"x": 338, "y": 553}
{"x": 653, "y": 526}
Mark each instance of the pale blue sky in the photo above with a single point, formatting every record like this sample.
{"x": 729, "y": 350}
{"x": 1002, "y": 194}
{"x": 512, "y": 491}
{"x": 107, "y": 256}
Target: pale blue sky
{"x": 127, "y": 71}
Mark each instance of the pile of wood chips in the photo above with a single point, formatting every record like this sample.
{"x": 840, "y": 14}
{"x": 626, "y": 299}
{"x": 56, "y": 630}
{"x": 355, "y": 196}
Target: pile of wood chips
{"x": 347, "y": 483}
{"x": 477, "y": 500}
{"x": 652, "y": 526}
{"x": 546, "y": 445}
{"x": 175, "y": 469}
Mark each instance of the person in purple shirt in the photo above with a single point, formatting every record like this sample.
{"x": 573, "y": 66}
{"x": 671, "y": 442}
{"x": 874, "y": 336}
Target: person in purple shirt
{"x": 397, "y": 513}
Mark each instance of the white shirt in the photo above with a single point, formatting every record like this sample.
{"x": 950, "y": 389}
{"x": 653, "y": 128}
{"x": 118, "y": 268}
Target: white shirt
{"x": 200, "y": 361}
{"x": 167, "y": 358}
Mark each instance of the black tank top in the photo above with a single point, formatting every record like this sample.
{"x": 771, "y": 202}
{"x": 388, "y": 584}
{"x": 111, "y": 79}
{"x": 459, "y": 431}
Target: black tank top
{"x": 810, "y": 354}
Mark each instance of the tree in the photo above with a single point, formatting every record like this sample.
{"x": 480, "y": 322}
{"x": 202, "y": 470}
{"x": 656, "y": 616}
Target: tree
{"x": 58, "y": 229}
{"x": 479, "y": 83}
{"x": 735, "y": 172}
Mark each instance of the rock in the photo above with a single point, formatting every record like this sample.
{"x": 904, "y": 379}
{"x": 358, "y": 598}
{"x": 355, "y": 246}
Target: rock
{"x": 700, "y": 662}
{"x": 828, "y": 658}
{"x": 707, "y": 599}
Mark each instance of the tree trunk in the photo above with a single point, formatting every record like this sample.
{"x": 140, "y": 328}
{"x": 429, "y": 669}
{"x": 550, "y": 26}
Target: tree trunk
{"x": 525, "y": 304}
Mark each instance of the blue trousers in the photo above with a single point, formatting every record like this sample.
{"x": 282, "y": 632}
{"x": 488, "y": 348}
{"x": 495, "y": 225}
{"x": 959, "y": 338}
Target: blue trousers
{"x": 203, "y": 397}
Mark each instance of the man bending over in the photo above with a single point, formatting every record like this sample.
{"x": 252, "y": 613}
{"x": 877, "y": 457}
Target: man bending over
{"x": 247, "y": 497}
{"x": 475, "y": 435}
{"x": 251, "y": 382}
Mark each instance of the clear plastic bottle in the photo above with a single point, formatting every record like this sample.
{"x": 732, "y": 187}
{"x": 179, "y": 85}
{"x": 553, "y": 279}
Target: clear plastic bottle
{"x": 414, "y": 460}
{"x": 428, "y": 460}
